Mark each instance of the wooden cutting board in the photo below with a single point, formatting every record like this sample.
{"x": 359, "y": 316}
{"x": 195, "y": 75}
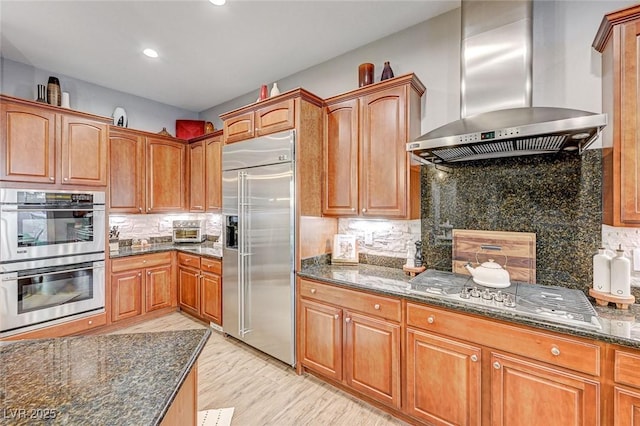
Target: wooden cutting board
{"x": 518, "y": 247}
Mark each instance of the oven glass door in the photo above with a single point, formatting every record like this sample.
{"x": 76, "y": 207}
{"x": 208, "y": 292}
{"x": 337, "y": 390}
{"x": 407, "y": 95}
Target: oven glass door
{"x": 186, "y": 234}
{"x": 46, "y": 293}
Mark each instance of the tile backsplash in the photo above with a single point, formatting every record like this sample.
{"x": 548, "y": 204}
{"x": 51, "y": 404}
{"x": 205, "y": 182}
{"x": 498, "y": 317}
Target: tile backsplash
{"x": 629, "y": 239}
{"x": 160, "y": 225}
{"x": 389, "y": 238}
{"x": 556, "y": 196}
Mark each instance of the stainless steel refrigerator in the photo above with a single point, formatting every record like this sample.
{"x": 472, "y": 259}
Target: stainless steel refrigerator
{"x": 258, "y": 207}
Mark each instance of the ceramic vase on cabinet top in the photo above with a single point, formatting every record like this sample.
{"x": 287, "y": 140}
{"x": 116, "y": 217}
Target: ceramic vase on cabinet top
{"x": 53, "y": 91}
{"x": 120, "y": 117}
{"x": 365, "y": 74}
{"x": 387, "y": 72}
{"x": 275, "y": 91}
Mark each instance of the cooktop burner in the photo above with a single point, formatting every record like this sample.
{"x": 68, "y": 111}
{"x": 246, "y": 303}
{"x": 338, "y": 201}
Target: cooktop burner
{"x": 557, "y": 304}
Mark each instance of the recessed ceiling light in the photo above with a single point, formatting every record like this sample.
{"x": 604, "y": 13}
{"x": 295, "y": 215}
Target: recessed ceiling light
{"x": 150, "y": 53}
{"x": 218, "y": 2}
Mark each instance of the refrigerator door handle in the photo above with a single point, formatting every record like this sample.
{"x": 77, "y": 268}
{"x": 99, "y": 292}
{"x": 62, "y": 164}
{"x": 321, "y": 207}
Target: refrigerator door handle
{"x": 242, "y": 250}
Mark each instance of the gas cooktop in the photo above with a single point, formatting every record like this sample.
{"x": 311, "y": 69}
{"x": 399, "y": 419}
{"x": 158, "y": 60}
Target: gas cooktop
{"x": 551, "y": 303}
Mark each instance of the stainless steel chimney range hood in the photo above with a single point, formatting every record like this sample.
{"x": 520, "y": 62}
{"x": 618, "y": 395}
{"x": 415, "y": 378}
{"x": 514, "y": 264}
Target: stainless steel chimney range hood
{"x": 497, "y": 119}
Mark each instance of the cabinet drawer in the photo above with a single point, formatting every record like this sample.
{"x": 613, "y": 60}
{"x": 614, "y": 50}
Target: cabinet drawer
{"x": 626, "y": 368}
{"x": 142, "y": 261}
{"x": 211, "y": 265}
{"x": 379, "y": 306}
{"x": 189, "y": 260}
{"x": 546, "y": 347}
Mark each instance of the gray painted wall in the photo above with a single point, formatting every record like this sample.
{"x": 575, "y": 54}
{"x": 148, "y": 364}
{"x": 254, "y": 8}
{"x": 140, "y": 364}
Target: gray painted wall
{"x": 566, "y": 70}
{"x": 21, "y": 80}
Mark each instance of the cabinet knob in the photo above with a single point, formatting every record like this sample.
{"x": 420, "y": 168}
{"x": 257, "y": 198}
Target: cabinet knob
{"x": 376, "y": 307}
{"x": 90, "y": 322}
{"x": 474, "y": 358}
{"x": 144, "y": 261}
{"x": 364, "y": 210}
{"x": 148, "y": 209}
{"x": 65, "y": 179}
{"x": 139, "y": 274}
{"x": 336, "y": 316}
{"x": 496, "y": 365}
{"x": 139, "y": 209}
{"x": 431, "y": 319}
{"x": 353, "y": 209}
{"x": 51, "y": 178}
{"x": 148, "y": 272}
{"x": 313, "y": 291}
{"x": 555, "y": 351}
{"x": 347, "y": 319}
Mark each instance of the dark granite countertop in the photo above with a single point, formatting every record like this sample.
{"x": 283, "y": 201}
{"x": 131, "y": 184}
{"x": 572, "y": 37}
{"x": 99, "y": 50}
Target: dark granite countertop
{"x": 209, "y": 250}
{"x": 120, "y": 379}
{"x": 618, "y": 326}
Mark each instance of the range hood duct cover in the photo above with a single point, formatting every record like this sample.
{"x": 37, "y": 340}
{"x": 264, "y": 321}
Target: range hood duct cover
{"x": 497, "y": 119}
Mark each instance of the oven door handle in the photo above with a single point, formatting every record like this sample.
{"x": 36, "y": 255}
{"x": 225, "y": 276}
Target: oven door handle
{"x": 52, "y": 273}
{"x": 79, "y": 209}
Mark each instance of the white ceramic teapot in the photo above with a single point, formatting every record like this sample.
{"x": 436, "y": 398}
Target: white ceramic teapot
{"x": 489, "y": 274}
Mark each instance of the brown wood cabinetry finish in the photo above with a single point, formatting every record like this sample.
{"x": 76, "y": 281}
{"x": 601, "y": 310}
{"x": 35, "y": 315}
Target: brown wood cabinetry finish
{"x": 28, "y": 143}
{"x": 627, "y": 406}
{"x": 345, "y": 335}
{"x": 200, "y": 287}
{"x": 275, "y": 118}
{"x": 126, "y": 171}
{"x": 618, "y": 39}
{"x": 45, "y": 144}
{"x": 437, "y": 397}
{"x": 524, "y": 393}
{"x": 142, "y": 284}
{"x": 239, "y": 127}
{"x": 205, "y": 173}
{"x": 366, "y": 132}
{"x": 166, "y": 176}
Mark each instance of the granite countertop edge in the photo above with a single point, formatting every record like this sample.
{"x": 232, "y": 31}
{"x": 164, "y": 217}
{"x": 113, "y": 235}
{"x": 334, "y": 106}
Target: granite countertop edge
{"x": 196, "y": 249}
{"x": 188, "y": 367}
{"x": 395, "y": 281}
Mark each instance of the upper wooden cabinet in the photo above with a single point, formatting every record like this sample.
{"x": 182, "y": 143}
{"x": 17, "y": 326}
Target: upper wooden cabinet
{"x": 367, "y": 170}
{"x": 205, "y": 173}
{"x": 147, "y": 172}
{"x": 266, "y": 117}
{"x": 618, "y": 39}
{"x": 45, "y": 144}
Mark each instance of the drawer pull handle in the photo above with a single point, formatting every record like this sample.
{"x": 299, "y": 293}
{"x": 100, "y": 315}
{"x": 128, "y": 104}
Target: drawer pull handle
{"x": 347, "y": 319}
{"x": 148, "y": 272}
{"x": 353, "y": 209}
{"x": 555, "y": 351}
{"x": 51, "y": 178}
{"x": 90, "y": 322}
{"x": 496, "y": 365}
{"x": 336, "y": 316}
{"x": 144, "y": 261}
{"x": 364, "y": 210}
{"x": 431, "y": 319}
{"x": 313, "y": 291}
{"x": 376, "y": 306}
{"x": 474, "y": 358}
{"x": 139, "y": 209}
{"x": 139, "y": 274}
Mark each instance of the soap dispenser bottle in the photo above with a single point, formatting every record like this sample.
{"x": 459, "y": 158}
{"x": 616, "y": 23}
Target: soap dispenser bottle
{"x": 602, "y": 271}
{"x": 620, "y": 274}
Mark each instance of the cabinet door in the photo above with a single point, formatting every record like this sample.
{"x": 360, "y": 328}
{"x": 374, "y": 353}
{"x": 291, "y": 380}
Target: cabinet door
{"x": 372, "y": 357}
{"x": 211, "y": 298}
{"x": 239, "y": 128}
{"x": 213, "y": 173}
{"x": 166, "y": 175}
{"x": 27, "y": 144}
{"x": 443, "y": 380}
{"x": 126, "y": 172}
{"x": 340, "y": 192}
{"x": 84, "y": 151}
{"x": 275, "y": 118}
{"x": 158, "y": 288}
{"x": 626, "y": 407}
{"x": 525, "y": 393}
{"x": 383, "y": 155}
{"x": 321, "y": 338}
{"x": 197, "y": 177}
{"x": 630, "y": 123}
{"x": 189, "y": 290}
{"x": 126, "y": 294}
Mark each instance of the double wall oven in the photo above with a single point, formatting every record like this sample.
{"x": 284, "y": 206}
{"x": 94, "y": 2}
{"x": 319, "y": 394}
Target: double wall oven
{"x": 52, "y": 253}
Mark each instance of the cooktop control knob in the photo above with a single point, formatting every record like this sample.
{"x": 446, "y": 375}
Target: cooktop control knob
{"x": 464, "y": 293}
{"x": 475, "y": 292}
{"x": 509, "y": 301}
{"x": 498, "y": 297}
{"x": 487, "y": 295}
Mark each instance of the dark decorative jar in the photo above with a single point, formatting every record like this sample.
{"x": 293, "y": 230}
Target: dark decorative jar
{"x": 387, "y": 72}
{"x": 365, "y": 74}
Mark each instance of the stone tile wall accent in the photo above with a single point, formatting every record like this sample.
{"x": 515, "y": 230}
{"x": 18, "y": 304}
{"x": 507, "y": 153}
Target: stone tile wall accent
{"x": 157, "y": 226}
{"x": 556, "y": 196}
{"x": 389, "y": 238}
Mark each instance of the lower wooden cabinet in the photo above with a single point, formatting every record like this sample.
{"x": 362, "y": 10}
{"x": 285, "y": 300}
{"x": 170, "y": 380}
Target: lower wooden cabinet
{"x": 443, "y": 380}
{"x": 626, "y": 406}
{"x": 200, "y": 287}
{"x": 141, "y": 284}
{"x": 346, "y": 336}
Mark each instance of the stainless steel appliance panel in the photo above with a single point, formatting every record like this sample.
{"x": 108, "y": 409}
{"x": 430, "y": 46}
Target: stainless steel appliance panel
{"x": 258, "y": 268}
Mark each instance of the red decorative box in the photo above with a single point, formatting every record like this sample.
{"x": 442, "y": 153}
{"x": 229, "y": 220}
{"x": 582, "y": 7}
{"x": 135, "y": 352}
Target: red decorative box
{"x": 187, "y": 129}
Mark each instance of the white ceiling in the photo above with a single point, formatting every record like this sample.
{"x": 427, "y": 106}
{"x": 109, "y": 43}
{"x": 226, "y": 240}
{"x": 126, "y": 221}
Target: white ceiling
{"x": 208, "y": 54}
